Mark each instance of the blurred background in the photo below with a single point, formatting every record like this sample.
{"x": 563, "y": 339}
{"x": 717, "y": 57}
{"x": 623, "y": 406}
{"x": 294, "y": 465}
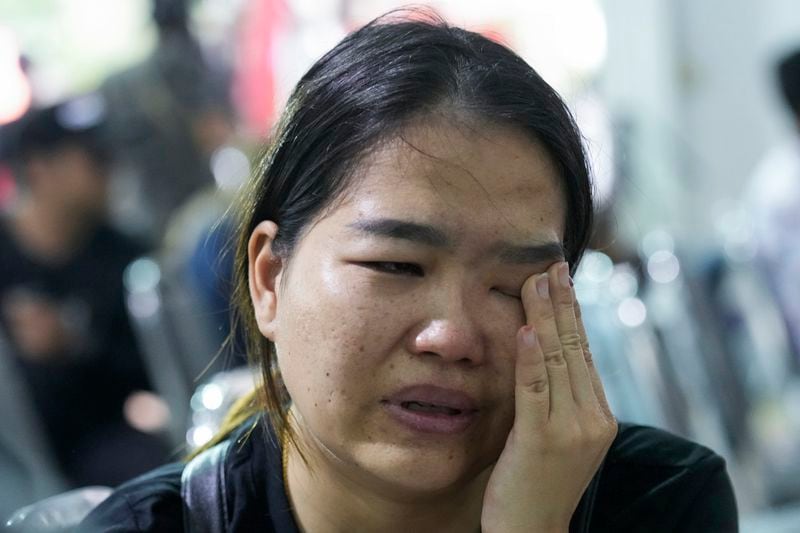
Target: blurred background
{"x": 128, "y": 125}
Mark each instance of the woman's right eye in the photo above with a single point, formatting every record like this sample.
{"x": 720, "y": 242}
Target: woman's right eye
{"x": 391, "y": 267}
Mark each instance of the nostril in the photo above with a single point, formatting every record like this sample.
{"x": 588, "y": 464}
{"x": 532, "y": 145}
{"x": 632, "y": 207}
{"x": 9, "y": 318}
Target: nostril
{"x": 452, "y": 341}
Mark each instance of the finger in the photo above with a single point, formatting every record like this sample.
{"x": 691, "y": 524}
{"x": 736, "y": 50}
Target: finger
{"x": 532, "y": 390}
{"x": 539, "y": 313}
{"x": 597, "y": 385}
{"x": 569, "y": 337}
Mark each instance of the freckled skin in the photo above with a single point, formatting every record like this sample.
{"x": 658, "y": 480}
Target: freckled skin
{"x": 348, "y": 336}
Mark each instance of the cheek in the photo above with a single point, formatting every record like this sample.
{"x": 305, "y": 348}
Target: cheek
{"x": 505, "y": 363}
{"x": 503, "y": 346}
{"x": 506, "y": 319}
{"x": 503, "y": 316}
{"x": 331, "y": 334}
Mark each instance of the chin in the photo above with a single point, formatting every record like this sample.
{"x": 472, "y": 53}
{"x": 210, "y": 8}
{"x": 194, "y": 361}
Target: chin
{"x": 413, "y": 473}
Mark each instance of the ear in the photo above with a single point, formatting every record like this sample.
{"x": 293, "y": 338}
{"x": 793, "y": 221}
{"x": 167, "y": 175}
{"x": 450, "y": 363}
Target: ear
{"x": 264, "y": 271}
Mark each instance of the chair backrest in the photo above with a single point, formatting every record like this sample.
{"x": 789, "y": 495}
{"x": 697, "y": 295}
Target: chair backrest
{"x": 203, "y": 491}
{"x": 175, "y": 333}
{"x": 28, "y": 468}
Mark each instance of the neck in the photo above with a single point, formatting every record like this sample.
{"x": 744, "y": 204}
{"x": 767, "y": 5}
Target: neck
{"x": 328, "y": 495}
{"x": 49, "y": 233}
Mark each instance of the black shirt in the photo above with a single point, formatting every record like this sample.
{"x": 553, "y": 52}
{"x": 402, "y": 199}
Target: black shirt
{"x": 78, "y": 391}
{"x": 652, "y": 481}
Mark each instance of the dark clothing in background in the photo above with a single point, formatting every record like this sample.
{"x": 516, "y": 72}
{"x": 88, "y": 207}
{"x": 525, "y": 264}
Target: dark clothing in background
{"x": 79, "y": 394}
{"x": 154, "y": 109}
{"x": 652, "y": 481}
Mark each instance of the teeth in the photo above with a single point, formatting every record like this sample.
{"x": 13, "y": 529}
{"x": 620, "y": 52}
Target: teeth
{"x": 430, "y": 408}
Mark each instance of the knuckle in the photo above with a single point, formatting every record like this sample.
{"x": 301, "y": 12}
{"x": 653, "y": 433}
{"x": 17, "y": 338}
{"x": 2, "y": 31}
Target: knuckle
{"x": 545, "y": 313}
{"x": 537, "y": 385}
{"x": 604, "y": 432}
{"x": 554, "y": 356}
{"x": 571, "y": 341}
{"x": 587, "y": 354}
{"x": 564, "y": 302}
{"x": 612, "y": 427}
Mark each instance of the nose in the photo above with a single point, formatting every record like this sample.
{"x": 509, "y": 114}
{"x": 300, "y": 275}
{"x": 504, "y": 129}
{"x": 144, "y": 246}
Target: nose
{"x": 452, "y": 332}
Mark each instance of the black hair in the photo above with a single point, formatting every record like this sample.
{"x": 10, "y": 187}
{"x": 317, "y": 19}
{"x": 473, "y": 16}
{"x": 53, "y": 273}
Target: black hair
{"x": 366, "y": 90}
{"x": 170, "y": 14}
{"x": 789, "y": 80}
{"x": 79, "y": 122}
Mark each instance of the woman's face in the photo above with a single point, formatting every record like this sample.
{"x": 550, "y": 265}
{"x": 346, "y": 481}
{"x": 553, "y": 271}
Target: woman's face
{"x": 395, "y": 320}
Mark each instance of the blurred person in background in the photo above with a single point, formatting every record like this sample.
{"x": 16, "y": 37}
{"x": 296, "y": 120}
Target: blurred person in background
{"x": 166, "y": 116}
{"x": 773, "y": 201}
{"x": 61, "y": 296}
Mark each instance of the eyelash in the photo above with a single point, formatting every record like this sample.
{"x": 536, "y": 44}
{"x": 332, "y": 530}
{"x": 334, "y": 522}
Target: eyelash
{"x": 411, "y": 269}
{"x": 395, "y": 268}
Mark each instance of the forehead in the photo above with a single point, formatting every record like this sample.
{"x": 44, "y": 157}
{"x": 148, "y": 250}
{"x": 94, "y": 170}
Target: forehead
{"x": 480, "y": 177}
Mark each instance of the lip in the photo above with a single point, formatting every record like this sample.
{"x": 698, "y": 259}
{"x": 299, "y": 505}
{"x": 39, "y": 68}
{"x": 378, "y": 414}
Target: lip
{"x": 464, "y": 405}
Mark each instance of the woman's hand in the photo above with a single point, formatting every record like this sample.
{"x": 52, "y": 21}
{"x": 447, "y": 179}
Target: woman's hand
{"x": 563, "y": 426}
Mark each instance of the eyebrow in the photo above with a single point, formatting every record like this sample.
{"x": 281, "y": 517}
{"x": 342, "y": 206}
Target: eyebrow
{"x": 547, "y": 252}
{"x": 432, "y": 236}
{"x": 402, "y": 229}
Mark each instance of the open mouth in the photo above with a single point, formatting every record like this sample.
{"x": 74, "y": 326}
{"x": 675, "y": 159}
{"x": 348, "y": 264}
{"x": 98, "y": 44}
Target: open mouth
{"x": 423, "y": 407}
{"x": 427, "y": 409}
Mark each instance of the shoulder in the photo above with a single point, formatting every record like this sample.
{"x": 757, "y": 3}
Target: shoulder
{"x": 154, "y": 502}
{"x": 151, "y": 502}
{"x": 649, "y": 446}
{"x": 658, "y": 481}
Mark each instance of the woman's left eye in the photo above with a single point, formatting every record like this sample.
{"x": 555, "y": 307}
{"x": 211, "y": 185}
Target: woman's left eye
{"x": 392, "y": 267}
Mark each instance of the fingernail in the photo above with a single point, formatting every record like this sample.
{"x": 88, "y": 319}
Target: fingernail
{"x": 528, "y": 335}
{"x": 543, "y": 286}
{"x": 563, "y": 275}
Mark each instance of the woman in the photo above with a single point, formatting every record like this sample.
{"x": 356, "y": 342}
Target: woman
{"x": 404, "y": 277}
